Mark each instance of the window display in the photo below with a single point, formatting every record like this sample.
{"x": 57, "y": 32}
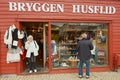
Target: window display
{"x": 66, "y": 36}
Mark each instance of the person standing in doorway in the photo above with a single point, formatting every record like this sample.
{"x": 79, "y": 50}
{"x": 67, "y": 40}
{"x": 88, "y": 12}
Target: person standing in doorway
{"x": 32, "y": 51}
{"x": 84, "y": 48}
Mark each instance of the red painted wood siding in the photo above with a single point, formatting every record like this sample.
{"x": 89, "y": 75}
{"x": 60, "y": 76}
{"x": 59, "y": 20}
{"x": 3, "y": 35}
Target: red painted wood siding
{"x": 8, "y": 18}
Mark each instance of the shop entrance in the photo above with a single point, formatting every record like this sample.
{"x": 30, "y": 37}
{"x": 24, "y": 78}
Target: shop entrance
{"x": 39, "y": 32}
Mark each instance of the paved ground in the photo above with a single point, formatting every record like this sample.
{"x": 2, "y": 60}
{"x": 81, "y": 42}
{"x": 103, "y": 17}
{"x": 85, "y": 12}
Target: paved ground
{"x": 71, "y": 76}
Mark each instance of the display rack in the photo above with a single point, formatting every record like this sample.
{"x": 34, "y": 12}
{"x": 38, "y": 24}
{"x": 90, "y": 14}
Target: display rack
{"x": 67, "y": 48}
{"x": 67, "y": 54}
{"x": 102, "y": 45}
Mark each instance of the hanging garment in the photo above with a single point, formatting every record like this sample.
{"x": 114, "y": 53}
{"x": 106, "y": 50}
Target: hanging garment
{"x": 24, "y": 38}
{"x": 12, "y": 35}
{"x": 23, "y": 55}
{"x": 54, "y": 47}
{"x": 14, "y": 38}
{"x": 13, "y": 55}
{"x": 8, "y": 36}
{"x": 93, "y": 51}
{"x": 103, "y": 38}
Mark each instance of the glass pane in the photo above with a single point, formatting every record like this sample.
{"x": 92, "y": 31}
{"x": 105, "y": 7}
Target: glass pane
{"x": 65, "y": 37}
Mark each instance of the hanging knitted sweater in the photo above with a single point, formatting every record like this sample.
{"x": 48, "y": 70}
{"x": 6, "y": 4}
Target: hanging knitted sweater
{"x": 11, "y": 37}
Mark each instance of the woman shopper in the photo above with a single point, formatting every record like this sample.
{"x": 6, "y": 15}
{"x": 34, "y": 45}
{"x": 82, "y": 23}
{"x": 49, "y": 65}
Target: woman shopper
{"x": 84, "y": 48}
{"x": 32, "y": 51}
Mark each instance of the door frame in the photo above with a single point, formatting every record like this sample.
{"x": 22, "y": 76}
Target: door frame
{"x": 20, "y": 68}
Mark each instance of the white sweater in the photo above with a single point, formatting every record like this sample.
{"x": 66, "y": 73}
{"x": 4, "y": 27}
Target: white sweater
{"x": 32, "y": 47}
{"x": 9, "y": 39}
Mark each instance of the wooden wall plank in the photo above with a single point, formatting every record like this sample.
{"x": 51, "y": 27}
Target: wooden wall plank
{"x": 7, "y": 18}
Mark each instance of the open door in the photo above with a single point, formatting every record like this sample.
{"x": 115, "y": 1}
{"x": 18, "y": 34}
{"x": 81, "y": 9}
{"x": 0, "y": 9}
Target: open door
{"x": 39, "y": 32}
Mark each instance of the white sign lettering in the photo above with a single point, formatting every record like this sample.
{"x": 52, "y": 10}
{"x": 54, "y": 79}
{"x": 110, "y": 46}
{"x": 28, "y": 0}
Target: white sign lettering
{"x": 46, "y": 7}
{"x": 37, "y": 7}
{"x": 94, "y": 9}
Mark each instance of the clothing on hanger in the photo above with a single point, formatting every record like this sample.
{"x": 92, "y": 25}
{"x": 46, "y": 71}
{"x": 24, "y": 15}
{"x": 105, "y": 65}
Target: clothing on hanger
{"x": 11, "y": 36}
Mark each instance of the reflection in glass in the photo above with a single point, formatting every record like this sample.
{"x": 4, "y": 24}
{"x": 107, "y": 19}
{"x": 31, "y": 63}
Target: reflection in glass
{"x": 65, "y": 37}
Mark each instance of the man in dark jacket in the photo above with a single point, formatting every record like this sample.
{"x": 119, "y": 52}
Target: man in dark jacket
{"x": 84, "y": 54}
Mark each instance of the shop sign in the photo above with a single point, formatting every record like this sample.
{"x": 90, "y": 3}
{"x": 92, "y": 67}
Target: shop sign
{"x": 59, "y": 8}
{"x": 94, "y": 9}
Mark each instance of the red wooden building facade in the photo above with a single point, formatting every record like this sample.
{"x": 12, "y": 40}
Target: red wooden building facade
{"x": 59, "y": 11}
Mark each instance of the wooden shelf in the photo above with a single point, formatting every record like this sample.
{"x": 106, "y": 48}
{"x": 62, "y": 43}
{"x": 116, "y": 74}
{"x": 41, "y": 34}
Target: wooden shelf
{"x": 68, "y": 54}
{"x": 67, "y": 49}
{"x": 68, "y": 44}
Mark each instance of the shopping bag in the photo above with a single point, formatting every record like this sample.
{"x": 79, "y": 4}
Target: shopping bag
{"x": 23, "y": 55}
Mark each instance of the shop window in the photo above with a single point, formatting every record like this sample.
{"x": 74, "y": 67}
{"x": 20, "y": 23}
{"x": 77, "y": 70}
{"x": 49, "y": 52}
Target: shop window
{"x": 64, "y": 40}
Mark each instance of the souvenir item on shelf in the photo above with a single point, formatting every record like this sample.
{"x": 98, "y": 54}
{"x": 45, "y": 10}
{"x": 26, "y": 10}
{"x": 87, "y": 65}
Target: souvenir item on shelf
{"x": 101, "y": 53}
{"x": 100, "y": 56}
